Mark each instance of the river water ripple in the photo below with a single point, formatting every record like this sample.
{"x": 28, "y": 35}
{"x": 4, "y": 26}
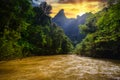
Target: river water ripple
{"x": 60, "y": 67}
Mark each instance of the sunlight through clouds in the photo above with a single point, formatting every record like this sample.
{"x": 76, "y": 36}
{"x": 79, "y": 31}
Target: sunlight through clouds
{"x": 73, "y": 8}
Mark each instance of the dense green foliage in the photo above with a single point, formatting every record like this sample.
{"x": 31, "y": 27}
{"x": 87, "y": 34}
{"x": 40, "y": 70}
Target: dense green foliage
{"x": 27, "y": 30}
{"x": 103, "y": 34}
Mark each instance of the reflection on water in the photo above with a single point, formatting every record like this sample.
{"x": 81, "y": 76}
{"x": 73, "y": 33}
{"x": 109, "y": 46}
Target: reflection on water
{"x": 60, "y": 67}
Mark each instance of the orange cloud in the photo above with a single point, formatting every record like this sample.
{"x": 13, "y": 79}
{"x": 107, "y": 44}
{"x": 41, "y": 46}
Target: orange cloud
{"x": 80, "y": 1}
{"x": 72, "y": 10}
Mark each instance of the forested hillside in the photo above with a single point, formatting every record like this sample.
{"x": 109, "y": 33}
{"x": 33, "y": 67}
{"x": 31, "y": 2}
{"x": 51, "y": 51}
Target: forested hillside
{"x": 103, "y": 33}
{"x": 27, "y": 30}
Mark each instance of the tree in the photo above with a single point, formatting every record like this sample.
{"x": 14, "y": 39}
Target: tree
{"x": 104, "y": 41}
{"x": 46, "y": 8}
{"x": 13, "y": 21}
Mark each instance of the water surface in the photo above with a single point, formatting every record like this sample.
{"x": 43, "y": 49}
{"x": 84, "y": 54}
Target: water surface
{"x": 60, "y": 67}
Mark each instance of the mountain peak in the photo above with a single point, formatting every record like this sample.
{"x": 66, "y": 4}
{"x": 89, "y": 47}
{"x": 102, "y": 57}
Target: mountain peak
{"x": 61, "y": 13}
{"x": 70, "y": 25}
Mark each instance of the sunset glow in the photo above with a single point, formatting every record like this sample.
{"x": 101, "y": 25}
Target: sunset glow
{"x": 72, "y": 10}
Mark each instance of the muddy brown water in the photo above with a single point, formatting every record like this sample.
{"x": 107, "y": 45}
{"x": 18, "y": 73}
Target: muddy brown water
{"x": 60, "y": 67}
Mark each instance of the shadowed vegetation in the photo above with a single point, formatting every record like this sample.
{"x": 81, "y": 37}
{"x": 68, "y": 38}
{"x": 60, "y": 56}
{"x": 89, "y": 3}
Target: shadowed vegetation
{"x": 27, "y": 30}
{"x": 103, "y": 33}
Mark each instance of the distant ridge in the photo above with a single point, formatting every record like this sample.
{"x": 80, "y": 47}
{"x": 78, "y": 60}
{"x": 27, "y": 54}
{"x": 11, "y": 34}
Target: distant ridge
{"x": 70, "y": 26}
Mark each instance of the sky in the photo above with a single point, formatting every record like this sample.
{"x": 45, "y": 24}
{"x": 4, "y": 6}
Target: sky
{"x": 72, "y": 8}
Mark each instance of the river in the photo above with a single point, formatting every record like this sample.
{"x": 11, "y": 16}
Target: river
{"x": 60, "y": 67}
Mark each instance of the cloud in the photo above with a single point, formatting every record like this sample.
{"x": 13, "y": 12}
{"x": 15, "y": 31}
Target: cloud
{"x": 72, "y": 9}
{"x": 80, "y": 1}
{"x": 37, "y": 1}
{"x": 48, "y": 1}
{"x": 67, "y": 1}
